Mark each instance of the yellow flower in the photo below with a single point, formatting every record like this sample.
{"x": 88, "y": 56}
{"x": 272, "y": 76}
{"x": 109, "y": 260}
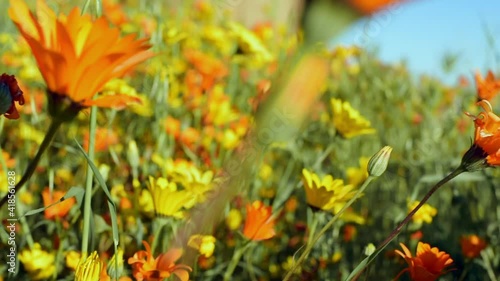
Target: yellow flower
{"x": 424, "y": 214}
{"x": 234, "y": 219}
{"x": 121, "y": 87}
{"x": 265, "y": 172}
{"x": 38, "y": 263}
{"x": 356, "y": 176}
{"x": 168, "y": 200}
{"x": 72, "y": 259}
{"x": 89, "y": 269}
{"x": 251, "y": 44}
{"x": 146, "y": 204}
{"x": 205, "y": 244}
{"x": 348, "y": 121}
{"x": 327, "y": 194}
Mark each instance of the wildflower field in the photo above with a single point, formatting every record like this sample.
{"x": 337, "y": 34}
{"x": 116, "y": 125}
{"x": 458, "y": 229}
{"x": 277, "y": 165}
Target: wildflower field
{"x": 142, "y": 140}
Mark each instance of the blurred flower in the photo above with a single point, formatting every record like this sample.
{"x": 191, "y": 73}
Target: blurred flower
{"x": 472, "y": 245}
{"x": 77, "y": 55}
{"x": 59, "y": 210}
{"x": 146, "y": 268}
{"x": 258, "y": 224}
{"x": 424, "y": 214}
{"x": 9, "y": 161}
{"x": 168, "y": 200}
{"x": 210, "y": 68}
{"x": 72, "y": 259}
{"x": 427, "y": 265}
{"x": 348, "y": 121}
{"x": 114, "y": 12}
{"x": 486, "y": 148}
{"x": 205, "y": 244}
{"x": 356, "y": 176}
{"x": 173, "y": 126}
{"x": 89, "y": 269}
{"x": 104, "y": 138}
{"x": 234, "y": 219}
{"x": 10, "y": 93}
{"x": 38, "y": 263}
{"x": 327, "y": 194}
{"x": 487, "y": 88}
{"x": 371, "y": 6}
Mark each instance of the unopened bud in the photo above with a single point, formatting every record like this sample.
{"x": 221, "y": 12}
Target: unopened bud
{"x": 378, "y": 163}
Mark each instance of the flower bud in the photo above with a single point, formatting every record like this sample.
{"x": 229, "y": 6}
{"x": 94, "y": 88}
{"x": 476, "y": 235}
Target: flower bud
{"x": 89, "y": 269}
{"x": 378, "y": 163}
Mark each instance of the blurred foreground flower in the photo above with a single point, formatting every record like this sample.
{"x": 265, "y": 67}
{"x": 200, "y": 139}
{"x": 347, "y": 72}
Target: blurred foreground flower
{"x": 38, "y": 263}
{"x": 427, "y": 265}
{"x": 327, "y": 194}
{"x": 472, "y": 245}
{"x": 77, "y": 55}
{"x": 487, "y": 88}
{"x": 146, "y": 267}
{"x": 486, "y": 148}
{"x": 10, "y": 93}
{"x": 348, "y": 121}
{"x": 258, "y": 224}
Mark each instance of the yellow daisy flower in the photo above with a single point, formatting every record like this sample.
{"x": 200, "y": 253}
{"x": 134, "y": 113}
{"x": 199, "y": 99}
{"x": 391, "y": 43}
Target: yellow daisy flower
{"x": 348, "y": 121}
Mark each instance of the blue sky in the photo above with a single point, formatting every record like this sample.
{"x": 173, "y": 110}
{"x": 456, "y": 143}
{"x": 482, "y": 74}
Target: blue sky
{"x": 422, "y": 32}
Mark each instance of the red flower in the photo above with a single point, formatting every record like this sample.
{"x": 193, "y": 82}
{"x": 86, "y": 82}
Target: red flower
{"x": 472, "y": 245}
{"x": 10, "y": 93}
{"x": 427, "y": 265}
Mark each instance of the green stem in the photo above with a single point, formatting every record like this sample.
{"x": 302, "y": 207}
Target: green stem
{"x": 87, "y": 211}
{"x": 54, "y": 126}
{"x": 487, "y": 266}
{"x": 238, "y": 253}
{"x": 325, "y": 228}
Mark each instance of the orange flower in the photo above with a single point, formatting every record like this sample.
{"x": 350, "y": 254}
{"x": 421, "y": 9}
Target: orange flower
{"x": 146, "y": 267}
{"x": 486, "y": 148}
{"x": 61, "y": 209}
{"x": 114, "y": 12}
{"x": 472, "y": 245}
{"x": 76, "y": 55}
{"x": 10, "y": 93}
{"x": 259, "y": 225}
{"x": 428, "y": 265}
{"x": 487, "y": 88}
{"x": 104, "y": 139}
{"x": 370, "y": 6}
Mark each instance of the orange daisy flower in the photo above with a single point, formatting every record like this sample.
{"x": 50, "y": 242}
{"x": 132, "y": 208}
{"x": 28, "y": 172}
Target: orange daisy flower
{"x": 486, "y": 148}
{"x": 76, "y": 55}
{"x": 487, "y": 88}
{"x": 59, "y": 210}
{"x": 146, "y": 268}
{"x": 371, "y": 6}
{"x": 427, "y": 265}
{"x": 472, "y": 245}
{"x": 10, "y": 93}
{"x": 259, "y": 225}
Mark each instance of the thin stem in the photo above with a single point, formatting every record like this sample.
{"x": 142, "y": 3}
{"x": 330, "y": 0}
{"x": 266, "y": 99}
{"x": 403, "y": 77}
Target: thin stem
{"x": 487, "y": 266}
{"x": 238, "y": 253}
{"x": 87, "y": 211}
{"x": 400, "y": 226}
{"x": 54, "y": 126}
{"x": 325, "y": 228}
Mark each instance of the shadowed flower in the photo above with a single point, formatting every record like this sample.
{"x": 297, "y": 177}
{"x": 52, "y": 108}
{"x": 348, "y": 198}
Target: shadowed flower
{"x": 146, "y": 268}
{"x": 38, "y": 263}
{"x": 327, "y": 194}
{"x": 487, "y": 88}
{"x": 486, "y": 148}
{"x": 472, "y": 245}
{"x": 10, "y": 93}
{"x": 427, "y": 265}
{"x": 424, "y": 214}
{"x": 259, "y": 225}
{"x": 60, "y": 209}
{"x": 76, "y": 55}
{"x": 348, "y": 121}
